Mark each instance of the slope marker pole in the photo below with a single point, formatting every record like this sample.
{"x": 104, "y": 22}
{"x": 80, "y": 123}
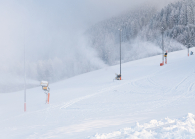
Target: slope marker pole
{"x": 188, "y": 50}
{"x": 48, "y": 98}
{"x": 162, "y": 31}
{"x": 24, "y": 76}
{"x": 120, "y": 52}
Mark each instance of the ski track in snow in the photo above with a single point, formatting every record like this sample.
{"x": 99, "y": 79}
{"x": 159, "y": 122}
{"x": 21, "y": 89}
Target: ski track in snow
{"x": 68, "y": 104}
{"x": 133, "y": 83}
{"x": 191, "y": 86}
{"x": 166, "y": 101}
{"x": 182, "y": 81}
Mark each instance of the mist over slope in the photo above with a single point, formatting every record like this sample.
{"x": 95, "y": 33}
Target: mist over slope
{"x": 57, "y": 48}
{"x": 141, "y": 32}
{"x": 51, "y": 33}
{"x": 105, "y": 36}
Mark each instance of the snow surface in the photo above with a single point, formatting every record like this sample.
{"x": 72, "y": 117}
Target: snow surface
{"x": 149, "y": 102}
{"x": 167, "y": 128}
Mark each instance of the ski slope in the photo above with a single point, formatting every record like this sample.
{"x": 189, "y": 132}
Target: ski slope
{"x": 149, "y": 101}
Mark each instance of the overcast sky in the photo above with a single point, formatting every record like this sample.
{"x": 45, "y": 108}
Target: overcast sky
{"x": 41, "y": 24}
{"x": 46, "y": 26}
{"x": 73, "y": 12}
{"x": 66, "y": 13}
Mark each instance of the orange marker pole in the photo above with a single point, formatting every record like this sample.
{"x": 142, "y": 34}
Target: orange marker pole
{"x": 188, "y": 50}
{"x": 48, "y": 98}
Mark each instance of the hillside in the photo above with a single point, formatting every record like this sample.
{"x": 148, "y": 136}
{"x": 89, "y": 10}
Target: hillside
{"x": 141, "y": 30}
{"x": 88, "y": 105}
{"x": 64, "y": 53}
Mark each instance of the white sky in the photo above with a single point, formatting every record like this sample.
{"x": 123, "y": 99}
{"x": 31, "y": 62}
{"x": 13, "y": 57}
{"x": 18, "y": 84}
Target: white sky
{"x": 48, "y": 23}
{"x": 52, "y": 28}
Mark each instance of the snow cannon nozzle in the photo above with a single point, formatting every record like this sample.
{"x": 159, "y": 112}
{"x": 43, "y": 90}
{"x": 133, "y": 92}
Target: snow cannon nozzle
{"x": 118, "y": 77}
{"x": 44, "y": 83}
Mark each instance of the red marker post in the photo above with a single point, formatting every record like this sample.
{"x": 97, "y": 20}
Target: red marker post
{"x": 48, "y": 98}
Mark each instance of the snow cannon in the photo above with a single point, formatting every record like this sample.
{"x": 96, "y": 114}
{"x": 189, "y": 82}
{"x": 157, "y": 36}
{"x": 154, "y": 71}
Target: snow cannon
{"x": 46, "y": 89}
{"x": 165, "y": 55}
{"x": 45, "y": 85}
{"x": 118, "y": 77}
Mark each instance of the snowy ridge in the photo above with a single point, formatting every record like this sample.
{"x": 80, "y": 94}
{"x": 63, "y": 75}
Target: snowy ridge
{"x": 166, "y": 128}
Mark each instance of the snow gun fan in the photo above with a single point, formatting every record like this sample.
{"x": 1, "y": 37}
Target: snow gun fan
{"x": 118, "y": 77}
{"x": 46, "y": 89}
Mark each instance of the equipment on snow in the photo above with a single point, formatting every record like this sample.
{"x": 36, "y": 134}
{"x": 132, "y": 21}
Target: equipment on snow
{"x": 118, "y": 77}
{"x": 165, "y": 55}
{"x": 46, "y": 90}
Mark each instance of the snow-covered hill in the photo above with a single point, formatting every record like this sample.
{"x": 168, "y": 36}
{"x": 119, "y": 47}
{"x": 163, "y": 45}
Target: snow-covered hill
{"x": 141, "y": 26}
{"x": 92, "y": 105}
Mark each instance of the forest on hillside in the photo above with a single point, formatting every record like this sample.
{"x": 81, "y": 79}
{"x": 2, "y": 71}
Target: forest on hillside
{"x": 55, "y": 58}
{"x": 142, "y": 32}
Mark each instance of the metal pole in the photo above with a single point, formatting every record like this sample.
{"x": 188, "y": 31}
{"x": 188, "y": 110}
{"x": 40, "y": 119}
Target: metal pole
{"x": 162, "y": 46}
{"x": 120, "y": 52}
{"x": 188, "y": 49}
{"x": 24, "y": 78}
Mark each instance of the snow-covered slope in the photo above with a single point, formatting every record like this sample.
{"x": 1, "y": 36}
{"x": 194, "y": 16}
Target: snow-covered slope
{"x": 167, "y": 128}
{"x": 92, "y": 105}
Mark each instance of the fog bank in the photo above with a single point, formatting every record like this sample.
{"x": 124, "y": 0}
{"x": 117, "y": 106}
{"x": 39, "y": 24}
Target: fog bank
{"x": 52, "y": 33}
